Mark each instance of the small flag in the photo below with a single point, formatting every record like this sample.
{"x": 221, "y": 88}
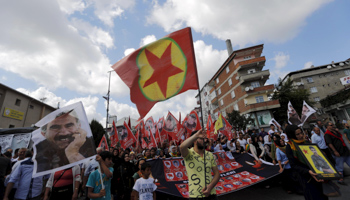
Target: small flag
{"x": 103, "y": 143}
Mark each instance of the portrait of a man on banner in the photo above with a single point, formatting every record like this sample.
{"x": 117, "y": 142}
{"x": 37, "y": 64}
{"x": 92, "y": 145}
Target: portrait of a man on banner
{"x": 64, "y": 138}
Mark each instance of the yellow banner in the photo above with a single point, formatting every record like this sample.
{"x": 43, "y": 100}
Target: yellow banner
{"x": 14, "y": 114}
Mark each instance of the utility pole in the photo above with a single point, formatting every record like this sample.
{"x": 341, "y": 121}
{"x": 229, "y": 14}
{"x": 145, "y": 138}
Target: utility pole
{"x": 107, "y": 98}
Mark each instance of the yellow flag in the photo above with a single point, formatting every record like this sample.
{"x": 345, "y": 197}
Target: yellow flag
{"x": 218, "y": 124}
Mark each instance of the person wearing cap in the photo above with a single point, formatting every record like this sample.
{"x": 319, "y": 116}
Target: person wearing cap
{"x": 311, "y": 186}
{"x": 173, "y": 151}
{"x": 199, "y": 164}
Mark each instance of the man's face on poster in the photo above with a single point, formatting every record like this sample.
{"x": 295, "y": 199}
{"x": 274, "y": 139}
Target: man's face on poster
{"x": 60, "y": 131}
{"x": 169, "y": 124}
{"x": 160, "y": 126}
{"x": 313, "y": 150}
{"x": 191, "y": 120}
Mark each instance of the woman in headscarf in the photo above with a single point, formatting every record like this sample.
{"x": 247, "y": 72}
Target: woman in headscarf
{"x": 284, "y": 137}
{"x": 286, "y": 176}
{"x": 123, "y": 181}
{"x": 255, "y": 148}
{"x": 312, "y": 187}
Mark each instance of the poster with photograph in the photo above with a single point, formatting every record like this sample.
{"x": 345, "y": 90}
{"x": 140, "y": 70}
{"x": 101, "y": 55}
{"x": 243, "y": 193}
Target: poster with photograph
{"x": 306, "y": 112}
{"x": 318, "y": 162}
{"x": 5, "y": 142}
{"x": 174, "y": 170}
{"x": 293, "y": 117}
{"x": 264, "y": 117}
{"x": 20, "y": 140}
{"x": 63, "y": 140}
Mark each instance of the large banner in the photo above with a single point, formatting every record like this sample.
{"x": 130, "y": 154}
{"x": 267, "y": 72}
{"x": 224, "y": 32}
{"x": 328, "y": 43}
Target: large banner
{"x": 237, "y": 171}
{"x": 63, "y": 140}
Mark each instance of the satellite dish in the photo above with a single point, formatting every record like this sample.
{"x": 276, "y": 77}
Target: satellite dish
{"x": 247, "y": 89}
{"x": 346, "y": 62}
{"x": 333, "y": 65}
{"x": 329, "y": 67}
{"x": 251, "y": 88}
{"x": 341, "y": 64}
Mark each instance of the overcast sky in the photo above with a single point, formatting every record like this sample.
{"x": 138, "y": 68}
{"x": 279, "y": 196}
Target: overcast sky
{"x": 63, "y": 49}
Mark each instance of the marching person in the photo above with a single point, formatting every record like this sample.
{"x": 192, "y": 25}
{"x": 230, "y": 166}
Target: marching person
{"x": 198, "y": 161}
{"x": 338, "y": 147}
{"x": 64, "y": 184}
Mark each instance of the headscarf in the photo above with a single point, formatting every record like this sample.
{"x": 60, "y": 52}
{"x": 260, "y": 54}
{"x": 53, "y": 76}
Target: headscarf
{"x": 285, "y": 137}
{"x": 278, "y": 144}
{"x": 290, "y": 130}
{"x": 266, "y": 140}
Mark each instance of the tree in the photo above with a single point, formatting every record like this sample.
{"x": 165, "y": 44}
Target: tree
{"x": 286, "y": 92}
{"x": 97, "y": 131}
{"x": 239, "y": 121}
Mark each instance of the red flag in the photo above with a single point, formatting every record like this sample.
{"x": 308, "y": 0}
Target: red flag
{"x": 144, "y": 144}
{"x": 152, "y": 142}
{"x": 163, "y": 134}
{"x": 103, "y": 143}
{"x": 129, "y": 122}
{"x": 114, "y": 136}
{"x": 192, "y": 122}
{"x": 173, "y": 127}
{"x": 227, "y": 129}
{"x": 160, "y": 70}
{"x": 210, "y": 128}
{"x": 126, "y": 137}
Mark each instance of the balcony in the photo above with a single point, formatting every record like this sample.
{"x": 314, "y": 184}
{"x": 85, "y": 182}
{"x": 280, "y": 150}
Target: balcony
{"x": 257, "y": 76}
{"x": 255, "y": 62}
{"x": 213, "y": 98}
{"x": 261, "y": 90}
{"x": 266, "y": 105}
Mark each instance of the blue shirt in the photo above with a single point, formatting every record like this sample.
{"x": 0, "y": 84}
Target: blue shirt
{"x": 27, "y": 186}
{"x": 319, "y": 140}
{"x": 282, "y": 157}
{"x": 95, "y": 183}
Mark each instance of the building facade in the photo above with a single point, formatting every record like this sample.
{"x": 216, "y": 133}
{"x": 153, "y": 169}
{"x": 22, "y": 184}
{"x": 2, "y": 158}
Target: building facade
{"x": 239, "y": 84}
{"x": 323, "y": 81}
{"x": 20, "y": 110}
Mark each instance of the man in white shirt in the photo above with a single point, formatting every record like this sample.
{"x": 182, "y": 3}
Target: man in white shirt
{"x": 241, "y": 140}
{"x": 272, "y": 131}
{"x": 318, "y": 138}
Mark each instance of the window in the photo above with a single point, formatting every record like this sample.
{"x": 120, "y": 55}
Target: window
{"x": 222, "y": 102}
{"x": 229, "y": 82}
{"x": 251, "y": 71}
{"x": 313, "y": 89}
{"x": 12, "y": 126}
{"x": 31, "y": 106}
{"x": 18, "y": 102}
{"x": 317, "y": 99}
{"x": 217, "y": 80}
{"x": 255, "y": 84}
{"x": 247, "y": 57}
{"x": 233, "y": 95}
{"x": 235, "y": 107}
{"x": 223, "y": 113}
{"x": 309, "y": 80}
{"x": 227, "y": 70}
{"x": 347, "y": 72}
{"x": 259, "y": 99}
{"x": 219, "y": 91}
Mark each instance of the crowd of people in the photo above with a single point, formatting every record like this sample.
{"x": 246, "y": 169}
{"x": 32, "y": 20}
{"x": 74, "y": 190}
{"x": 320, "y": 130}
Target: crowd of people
{"x": 125, "y": 172}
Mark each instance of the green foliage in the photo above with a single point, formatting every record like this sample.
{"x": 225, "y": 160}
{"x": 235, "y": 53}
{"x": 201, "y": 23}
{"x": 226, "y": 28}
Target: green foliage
{"x": 286, "y": 92}
{"x": 97, "y": 131}
{"x": 340, "y": 97}
{"x": 239, "y": 121}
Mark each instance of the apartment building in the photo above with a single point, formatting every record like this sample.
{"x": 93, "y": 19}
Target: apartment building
{"x": 322, "y": 81}
{"x": 239, "y": 84}
{"x": 20, "y": 110}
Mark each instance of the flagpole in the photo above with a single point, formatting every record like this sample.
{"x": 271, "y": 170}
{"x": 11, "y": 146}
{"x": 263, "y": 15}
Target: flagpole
{"x": 200, "y": 100}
